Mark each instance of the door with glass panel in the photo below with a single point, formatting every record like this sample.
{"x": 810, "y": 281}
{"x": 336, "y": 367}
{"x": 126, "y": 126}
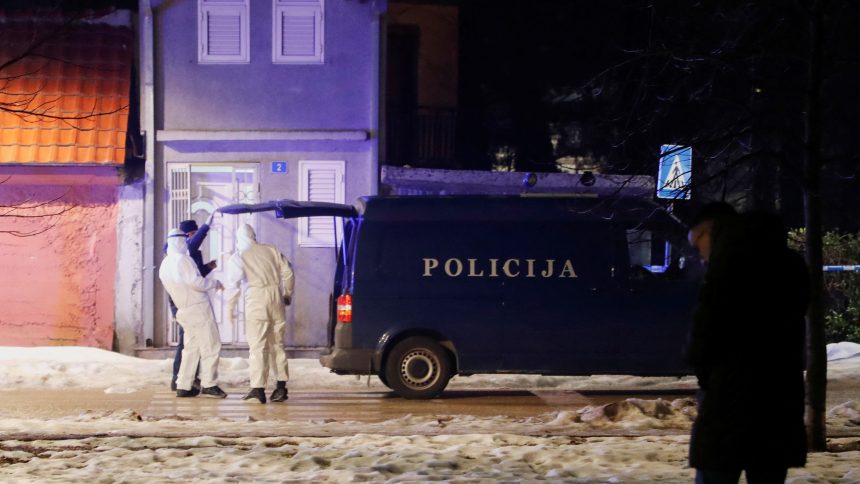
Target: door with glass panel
{"x": 196, "y": 191}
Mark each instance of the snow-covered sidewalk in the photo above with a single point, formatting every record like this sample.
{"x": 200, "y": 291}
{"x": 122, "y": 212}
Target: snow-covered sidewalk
{"x": 125, "y": 446}
{"x": 77, "y": 368}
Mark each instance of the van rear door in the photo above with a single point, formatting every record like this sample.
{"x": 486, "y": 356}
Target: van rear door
{"x": 288, "y": 209}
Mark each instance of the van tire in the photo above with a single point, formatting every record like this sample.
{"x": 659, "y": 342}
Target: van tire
{"x": 418, "y": 368}
{"x": 382, "y": 378}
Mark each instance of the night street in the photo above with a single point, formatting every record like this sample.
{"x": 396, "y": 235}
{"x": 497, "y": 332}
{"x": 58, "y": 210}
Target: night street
{"x": 396, "y": 241}
{"x": 87, "y": 414}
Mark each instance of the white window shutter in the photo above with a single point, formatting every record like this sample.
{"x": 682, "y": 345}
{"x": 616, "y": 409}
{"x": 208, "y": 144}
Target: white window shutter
{"x": 179, "y": 209}
{"x": 320, "y": 181}
{"x": 223, "y": 31}
{"x": 297, "y": 35}
{"x": 179, "y": 185}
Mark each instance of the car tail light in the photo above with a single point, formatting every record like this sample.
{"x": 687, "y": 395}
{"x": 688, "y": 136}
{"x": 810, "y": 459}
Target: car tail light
{"x": 344, "y": 308}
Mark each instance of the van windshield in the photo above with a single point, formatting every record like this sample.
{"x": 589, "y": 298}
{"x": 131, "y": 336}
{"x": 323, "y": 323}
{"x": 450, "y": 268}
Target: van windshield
{"x": 658, "y": 245}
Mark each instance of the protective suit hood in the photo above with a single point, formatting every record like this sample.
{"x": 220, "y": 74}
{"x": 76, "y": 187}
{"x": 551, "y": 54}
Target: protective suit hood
{"x": 245, "y": 237}
{"x": 176, "y": 242}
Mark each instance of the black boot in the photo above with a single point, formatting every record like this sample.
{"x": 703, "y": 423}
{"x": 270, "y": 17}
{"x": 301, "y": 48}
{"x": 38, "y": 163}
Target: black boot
{"x": 258, "y": 393}
{"x": 187, "y": 393}
{"x": 280, "y": 393}
{"x": 214, "y": 391}
{"x": 173, "y": 384}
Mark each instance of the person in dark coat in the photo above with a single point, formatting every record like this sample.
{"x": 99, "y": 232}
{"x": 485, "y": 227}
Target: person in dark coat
{"x": 195, "y": 236}
{"x": 747, "y": 349}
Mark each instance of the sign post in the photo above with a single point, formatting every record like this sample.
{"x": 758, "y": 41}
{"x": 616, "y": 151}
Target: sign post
{"x": 674, "y": 172}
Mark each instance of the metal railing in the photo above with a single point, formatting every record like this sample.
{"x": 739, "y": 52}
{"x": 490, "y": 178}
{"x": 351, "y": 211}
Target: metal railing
{"x": 421, "y": 136}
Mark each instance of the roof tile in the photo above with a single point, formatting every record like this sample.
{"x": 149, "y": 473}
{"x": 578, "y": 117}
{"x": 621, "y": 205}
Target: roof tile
{"x": 84, "y": 71}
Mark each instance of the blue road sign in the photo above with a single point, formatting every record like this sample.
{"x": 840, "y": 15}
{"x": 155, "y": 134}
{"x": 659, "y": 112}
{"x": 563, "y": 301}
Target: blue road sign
{"x": 279, "y": 167}
{"x": 674, "y": 172}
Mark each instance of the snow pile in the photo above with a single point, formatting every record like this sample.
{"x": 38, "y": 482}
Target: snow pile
{"x": 363, "y": 457}
{"x": 639, "y": 413}
{"x": 593, "y": 382}
{"x": 839, "y": 351}
{"x": 82, "y": 367}
{"x": 846, "y": 414}
{"x": 496, "y": 457}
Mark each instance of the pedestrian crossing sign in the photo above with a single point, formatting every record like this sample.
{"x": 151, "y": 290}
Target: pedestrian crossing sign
{"x": 674, "y": 172}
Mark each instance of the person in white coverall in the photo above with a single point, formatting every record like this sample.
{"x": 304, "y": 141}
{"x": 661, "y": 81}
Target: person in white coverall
{"x": 188, "y": 290}
{"x": 269, "y": 283}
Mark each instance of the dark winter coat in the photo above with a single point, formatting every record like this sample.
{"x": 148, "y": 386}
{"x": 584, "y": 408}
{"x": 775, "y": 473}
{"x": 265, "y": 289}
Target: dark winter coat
{"x": 747, "y": 349}
{"x": 194, "y": 244}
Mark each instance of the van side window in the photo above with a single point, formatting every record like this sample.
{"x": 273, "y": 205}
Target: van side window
{"x": 651, "y": 255}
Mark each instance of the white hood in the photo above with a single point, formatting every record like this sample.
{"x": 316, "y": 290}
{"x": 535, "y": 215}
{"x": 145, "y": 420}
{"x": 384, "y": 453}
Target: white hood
{"x": 245, "y": 237}
{"x": 177, "y": 242}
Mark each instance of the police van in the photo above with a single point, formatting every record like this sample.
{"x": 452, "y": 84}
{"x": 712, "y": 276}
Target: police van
{"x": 426, "y": 288}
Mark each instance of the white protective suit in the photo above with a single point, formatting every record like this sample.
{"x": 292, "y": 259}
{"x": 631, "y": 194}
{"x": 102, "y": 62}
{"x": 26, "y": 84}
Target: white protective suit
{"x": 268, "y": 279}
{"x": 188, "y": 288}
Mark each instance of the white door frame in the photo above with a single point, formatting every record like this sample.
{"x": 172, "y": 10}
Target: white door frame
{"x": 180, "y": 206}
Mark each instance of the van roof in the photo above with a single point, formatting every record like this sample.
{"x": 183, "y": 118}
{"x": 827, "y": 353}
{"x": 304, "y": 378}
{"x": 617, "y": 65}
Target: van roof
{"x": 494, "y": 207}
{"x": 626, "y": 210}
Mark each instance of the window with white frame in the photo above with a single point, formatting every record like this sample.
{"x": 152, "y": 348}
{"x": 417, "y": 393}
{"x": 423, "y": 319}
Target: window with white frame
{"x": 297, "y": 31}
{"x": 223, "y": 31}
{"x": 320, "y": 181}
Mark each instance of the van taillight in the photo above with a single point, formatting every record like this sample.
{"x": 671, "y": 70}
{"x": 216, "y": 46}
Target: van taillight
{"x": 344, "y": 308}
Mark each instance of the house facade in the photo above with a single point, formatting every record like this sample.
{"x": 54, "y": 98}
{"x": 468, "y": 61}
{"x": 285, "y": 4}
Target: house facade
{"x": 63, "y": 123}
{"x": 253, "y": 100}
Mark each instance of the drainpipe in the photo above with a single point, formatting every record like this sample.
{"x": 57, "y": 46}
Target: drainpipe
{"x": 377, "y": 115}
{"x": 147, "y": 122}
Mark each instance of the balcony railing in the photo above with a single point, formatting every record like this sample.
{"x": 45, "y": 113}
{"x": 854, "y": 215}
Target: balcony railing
{"x": 421, "y": 136}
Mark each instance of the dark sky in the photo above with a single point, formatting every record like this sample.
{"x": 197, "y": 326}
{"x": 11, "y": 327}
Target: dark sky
{"x": 727, "y": 77}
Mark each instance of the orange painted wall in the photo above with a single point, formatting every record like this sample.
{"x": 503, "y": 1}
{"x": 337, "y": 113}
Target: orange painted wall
{"x": 57, "y": 285}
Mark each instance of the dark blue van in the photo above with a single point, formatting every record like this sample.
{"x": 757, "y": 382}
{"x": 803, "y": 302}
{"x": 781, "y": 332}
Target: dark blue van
{"x": 430, "y": 287}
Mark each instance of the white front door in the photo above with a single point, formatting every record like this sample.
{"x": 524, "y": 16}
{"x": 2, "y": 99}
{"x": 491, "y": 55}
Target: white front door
{"x": 197, "y": 190}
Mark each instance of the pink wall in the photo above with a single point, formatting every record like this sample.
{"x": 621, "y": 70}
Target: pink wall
{"x": 57, "y": 287}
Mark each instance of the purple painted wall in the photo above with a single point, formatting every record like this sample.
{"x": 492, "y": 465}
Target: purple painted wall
{"x": 322, "y": 111}
{"x": 261, "y": 95}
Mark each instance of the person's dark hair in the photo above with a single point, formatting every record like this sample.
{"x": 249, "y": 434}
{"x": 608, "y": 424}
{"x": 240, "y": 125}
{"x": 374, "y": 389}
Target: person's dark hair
{"x": 188, "y": 226}
{"x": 713, "y": 211}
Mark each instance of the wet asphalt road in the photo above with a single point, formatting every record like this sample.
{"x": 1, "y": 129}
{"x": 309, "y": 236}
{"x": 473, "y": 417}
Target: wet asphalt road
{"x": 369, "y": 406}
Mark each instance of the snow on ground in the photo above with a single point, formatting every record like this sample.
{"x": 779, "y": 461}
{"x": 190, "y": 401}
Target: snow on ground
{"x": 846, "y": 349}
{"x": 365, "y": 457}
{"x": 124, "y": 446}
{"x": 80, "y": 367}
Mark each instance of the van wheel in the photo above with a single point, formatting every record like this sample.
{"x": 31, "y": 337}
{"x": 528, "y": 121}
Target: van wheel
{"x": 382, "y": 378}
{"x": 418, "y": 368}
